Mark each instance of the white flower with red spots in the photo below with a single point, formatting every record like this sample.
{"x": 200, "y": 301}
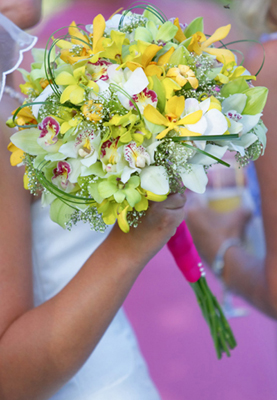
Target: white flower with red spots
{"x": 99, "y": 70}
{"x": 85, "y": 147}
{"x": 60, "y": 176}
{"x": 49, "y": 130}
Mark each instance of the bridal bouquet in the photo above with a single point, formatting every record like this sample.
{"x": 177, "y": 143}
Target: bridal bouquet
{"x": 129, "y": 110}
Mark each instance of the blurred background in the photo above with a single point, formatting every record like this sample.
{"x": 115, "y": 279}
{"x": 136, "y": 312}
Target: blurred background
{"x": 161, "y": 306}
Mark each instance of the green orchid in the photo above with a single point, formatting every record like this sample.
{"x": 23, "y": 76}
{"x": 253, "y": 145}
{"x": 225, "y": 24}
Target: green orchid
{"x": 127, "y": 128}
{"x": 113, "y": 186}
{"x": 151, "y": 34}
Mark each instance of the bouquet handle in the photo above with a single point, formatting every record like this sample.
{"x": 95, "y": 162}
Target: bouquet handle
{"x": 189, "y": 262}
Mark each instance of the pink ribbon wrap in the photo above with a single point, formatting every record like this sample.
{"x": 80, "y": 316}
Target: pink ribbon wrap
{"x": 185, "y": 254}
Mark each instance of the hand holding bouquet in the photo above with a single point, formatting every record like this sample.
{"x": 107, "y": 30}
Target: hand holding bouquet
{"x": 127, "y": 111}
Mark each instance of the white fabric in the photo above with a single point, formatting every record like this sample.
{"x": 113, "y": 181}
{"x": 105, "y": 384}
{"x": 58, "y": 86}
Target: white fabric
{"x": 116, "y": 369}
{"x": 13, "y": 43}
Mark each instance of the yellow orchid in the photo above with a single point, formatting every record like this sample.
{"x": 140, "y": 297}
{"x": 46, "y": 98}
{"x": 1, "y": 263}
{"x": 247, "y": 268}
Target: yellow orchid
{"x": 77, "y": 49}
{"x": 141, "y": 56}
{"x": 174, "y": 109}
{"x": 199, "y": 44}
{"x": 74, "y": 92}
{"x": 182, "y": 75}
{"x": 25, "y": 117}
{"x": 229, "y": 73}
{"x": 112, "y": 47}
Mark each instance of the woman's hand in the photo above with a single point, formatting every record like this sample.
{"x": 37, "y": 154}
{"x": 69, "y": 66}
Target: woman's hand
{"x": 154, "y": 230}
{"x": 210, "y": 229}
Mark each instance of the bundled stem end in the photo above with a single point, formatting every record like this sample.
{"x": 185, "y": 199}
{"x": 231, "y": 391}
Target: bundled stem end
{"x": 221, "y": 332}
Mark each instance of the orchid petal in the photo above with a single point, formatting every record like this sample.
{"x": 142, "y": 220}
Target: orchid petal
{"x": 144, "y": 34}
{"x": 202, "y": 159}
{"x": 195, "y": 179}
{"x": 175, "y": 105}
{"x": 219, "y": 34}
{"x": 199, "y": 127}
{"x": 235, "y": 102}
{"x": 65, "y": 78}
{"x": 154, "y": 116}
{"x": 155, "y": 179}
{"x": 191, "y": 118}
{"x": 69, "y": 149}
{"x": 217, "y": 123}
{"x": 26, "y": 140}
{"x": 149, "y": 54}
{"x": 222, "y": 55}
{"x": 191, "y": 105}
{"x": 98, "y": 31}
{"x": 41, "y": 98}
{"x": 119, "y": 196}
{"x": 249, "y": 121}
{"x": 136, "y": 83}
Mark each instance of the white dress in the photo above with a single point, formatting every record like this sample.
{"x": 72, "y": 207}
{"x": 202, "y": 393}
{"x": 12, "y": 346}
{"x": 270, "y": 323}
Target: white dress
{"x": 116, "y": 369}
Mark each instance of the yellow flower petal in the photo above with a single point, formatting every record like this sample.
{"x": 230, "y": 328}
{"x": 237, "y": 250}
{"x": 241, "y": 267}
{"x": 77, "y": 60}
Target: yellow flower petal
{"x": 162, "y": 134}
{"x": 164, "y": 59}
{"x": 122, "y": 220}
{"x": 194, "y": 82}
{"x": 26, "y": 181}
{"x": 77, "y": 37}
{"x": 149, "y": 54}
{"x": 153, "y": 69}
{"x": 219, "y": 34}
{"x": 187, "y": 132}
{"x": 191, "y": 118}
{"x": 175, "y": 105}
{"x": 154, "y": 116}
{"x": 17, "y": 154}
{"x": 170, "y": 87}
{"x": 180, "y": 36}
{"x": 65, "y": 78}
{"x": 99, "y": 25}
{"x": 222, "y": 55}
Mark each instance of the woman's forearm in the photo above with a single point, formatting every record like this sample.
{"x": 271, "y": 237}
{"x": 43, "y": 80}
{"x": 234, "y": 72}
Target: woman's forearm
{"x": 46, "y": 346}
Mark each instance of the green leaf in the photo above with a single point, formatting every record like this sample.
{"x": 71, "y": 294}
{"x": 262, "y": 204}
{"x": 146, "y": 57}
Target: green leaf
{"x": 26, "y": 140}
{"x": 238, "y": 85}
{"x": 256, "y": 99}
{"x": 195, "y": 26}
{"x": 60, "y": 212}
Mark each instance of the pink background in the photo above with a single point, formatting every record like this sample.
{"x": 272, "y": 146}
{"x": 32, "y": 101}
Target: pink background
{"x": 177, "y": 345}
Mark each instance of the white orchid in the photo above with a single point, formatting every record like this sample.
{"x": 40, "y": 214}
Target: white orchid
{"x": 233, "y": 107}
{"x": 134, "y": 83}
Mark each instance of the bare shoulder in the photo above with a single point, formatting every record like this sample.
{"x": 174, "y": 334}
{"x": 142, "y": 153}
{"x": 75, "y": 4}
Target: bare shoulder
{"x": 15, "y": 236}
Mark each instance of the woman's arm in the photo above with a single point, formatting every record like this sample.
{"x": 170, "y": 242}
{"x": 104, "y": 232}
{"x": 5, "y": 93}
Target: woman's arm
{"x": 41, "y": 348}
{"x": 251, "y": 278}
